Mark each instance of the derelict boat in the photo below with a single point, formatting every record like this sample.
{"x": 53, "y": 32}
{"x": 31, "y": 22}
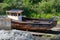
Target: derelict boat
{"x": 24, "y": 23}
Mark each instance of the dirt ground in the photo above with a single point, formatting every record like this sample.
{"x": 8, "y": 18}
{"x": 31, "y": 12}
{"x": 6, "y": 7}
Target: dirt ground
{"x": 57, "y": 28}
{"x": 41, "y": 38}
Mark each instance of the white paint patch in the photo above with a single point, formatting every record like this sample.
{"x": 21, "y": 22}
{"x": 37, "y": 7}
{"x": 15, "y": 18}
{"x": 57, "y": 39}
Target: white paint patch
{"x": 13, "y": 17}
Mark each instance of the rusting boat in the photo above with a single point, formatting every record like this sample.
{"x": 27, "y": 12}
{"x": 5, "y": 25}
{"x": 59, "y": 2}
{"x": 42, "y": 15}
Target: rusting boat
{"x": 24, "y": 23}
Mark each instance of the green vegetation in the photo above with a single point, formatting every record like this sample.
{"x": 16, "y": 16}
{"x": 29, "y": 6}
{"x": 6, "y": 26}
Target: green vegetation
{"x": 33, "y": 8}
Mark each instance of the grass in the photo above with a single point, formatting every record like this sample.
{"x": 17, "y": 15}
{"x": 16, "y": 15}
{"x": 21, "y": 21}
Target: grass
{"x": 58, "y": 22}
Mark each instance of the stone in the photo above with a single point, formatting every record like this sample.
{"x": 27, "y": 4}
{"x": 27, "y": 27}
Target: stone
{"x": 15, "y": 35}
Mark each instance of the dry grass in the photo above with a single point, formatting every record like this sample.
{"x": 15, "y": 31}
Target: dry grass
{"x": 58, "y": 22}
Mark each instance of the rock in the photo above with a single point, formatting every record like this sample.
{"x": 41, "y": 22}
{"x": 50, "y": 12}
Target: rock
{"x": 15, "y": 35}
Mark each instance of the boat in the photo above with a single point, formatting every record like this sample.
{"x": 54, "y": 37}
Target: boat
{"x": 25, "y": 23}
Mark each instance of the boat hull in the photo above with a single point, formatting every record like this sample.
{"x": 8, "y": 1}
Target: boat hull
{"x": 32, "y": 26}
